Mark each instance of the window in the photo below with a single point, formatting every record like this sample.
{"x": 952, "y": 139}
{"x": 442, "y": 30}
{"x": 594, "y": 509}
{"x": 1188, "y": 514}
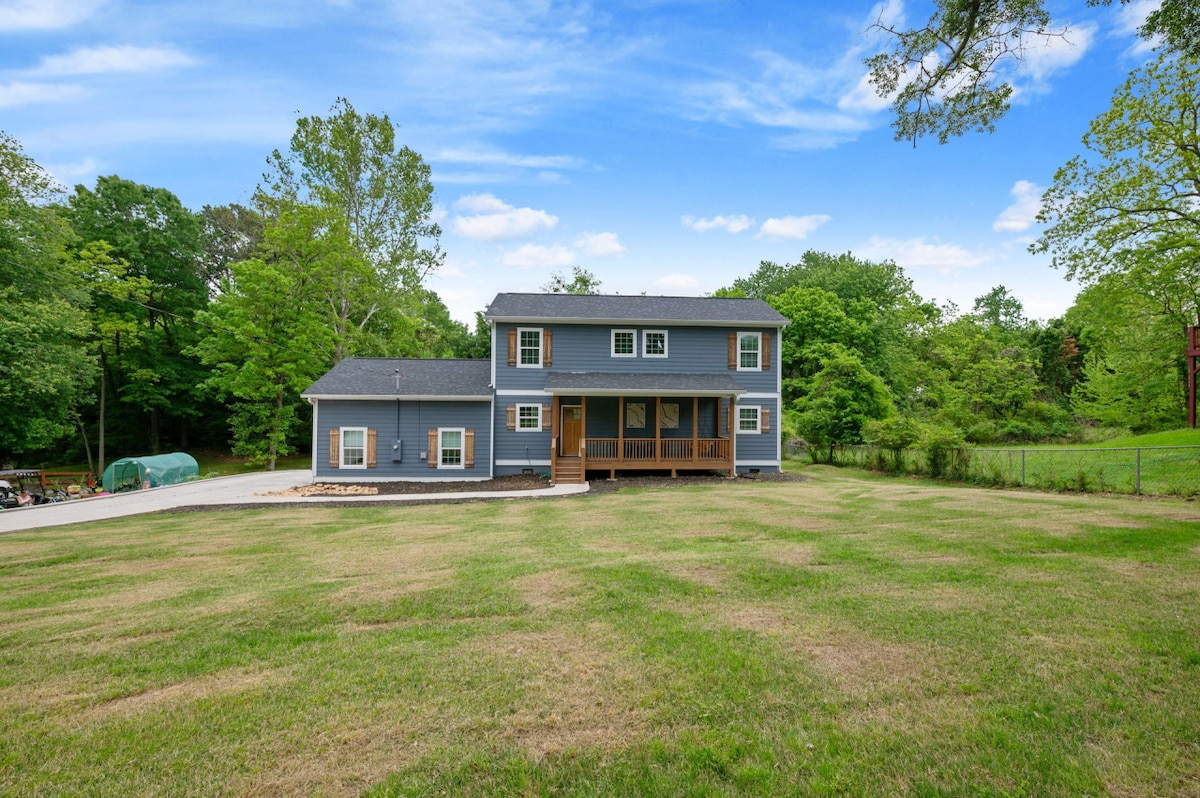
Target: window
{"x": 624, "y": 343}
{"x": 748, "y": 419}
{"x": 450, "y": 448}
{"x": 635, "y": 415}
{"x": 529, "y": 417}
{"x": 654, "y": 343}
{"x": 749, "y": 351}
{"x": 530, "y": 347}
{"x": 354, "y": 447}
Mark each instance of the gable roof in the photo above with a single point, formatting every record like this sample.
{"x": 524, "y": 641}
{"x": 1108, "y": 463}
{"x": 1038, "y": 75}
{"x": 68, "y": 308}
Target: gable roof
{"x": 616, "y": 309}
{"x": 405, "y": 378}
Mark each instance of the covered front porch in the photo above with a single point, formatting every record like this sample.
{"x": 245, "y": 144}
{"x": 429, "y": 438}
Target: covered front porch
{"x": 623, "y": 422}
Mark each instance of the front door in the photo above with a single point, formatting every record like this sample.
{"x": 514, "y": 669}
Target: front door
{"x": 572, "y": 431}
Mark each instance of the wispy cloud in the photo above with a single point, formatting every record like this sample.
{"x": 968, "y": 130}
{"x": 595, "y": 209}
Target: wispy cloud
{"x": 1020, "y": 216}
{"x": 20, "y": 93}
{"x": 793, "y": 227}
{"x": 600, "y": 245}
{"x": 917, "y": 253}
{"x": 18, "y": 15}
{"x": 492, "y": 219}
{"x": 126, "y": 58}
{"x": 678, "y": 283}
{"x": 730, "y": 224}
{"x": 534, "y": 256}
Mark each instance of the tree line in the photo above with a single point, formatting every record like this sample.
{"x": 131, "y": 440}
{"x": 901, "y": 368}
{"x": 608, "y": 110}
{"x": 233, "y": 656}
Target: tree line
{"x": 132, "y": 324}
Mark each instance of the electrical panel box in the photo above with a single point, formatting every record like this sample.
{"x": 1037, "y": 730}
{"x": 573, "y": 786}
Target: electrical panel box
{"x": 397, "y": 449}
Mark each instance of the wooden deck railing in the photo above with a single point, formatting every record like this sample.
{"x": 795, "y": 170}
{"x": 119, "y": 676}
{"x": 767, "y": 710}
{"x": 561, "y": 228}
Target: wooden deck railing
{"x": 644, "y": 452}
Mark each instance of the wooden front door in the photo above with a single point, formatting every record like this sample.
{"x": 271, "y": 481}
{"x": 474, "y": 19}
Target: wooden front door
{"x": 572, "y": 431}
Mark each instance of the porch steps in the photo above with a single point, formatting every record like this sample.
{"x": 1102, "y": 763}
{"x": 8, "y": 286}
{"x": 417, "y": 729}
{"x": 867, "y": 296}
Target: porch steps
{"x": 568, "y": 471}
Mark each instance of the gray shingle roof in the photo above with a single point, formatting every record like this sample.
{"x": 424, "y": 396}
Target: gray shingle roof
{"x": 595, "y": 384}
{"x": 361, "y": 377}
{"x": 623, "y": 309}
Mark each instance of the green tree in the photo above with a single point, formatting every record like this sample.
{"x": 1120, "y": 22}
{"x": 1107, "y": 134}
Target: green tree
{"x": 842, "y": 397}
{"x": 268, "y": 340}
{"x": 378, "y": 204}
{"x": 48, "y": 368}
{"x": 582, "y": 281}
{"x": 160, "y": 243}
{"x": 948, "y": 76}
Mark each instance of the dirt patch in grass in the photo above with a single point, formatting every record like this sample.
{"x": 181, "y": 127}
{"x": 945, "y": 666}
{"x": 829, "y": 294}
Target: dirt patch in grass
{"x": 573, "y": 694}
{"x": 546, "y": 591}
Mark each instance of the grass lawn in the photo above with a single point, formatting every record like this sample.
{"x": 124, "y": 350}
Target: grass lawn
{"x": 848, "y": 635}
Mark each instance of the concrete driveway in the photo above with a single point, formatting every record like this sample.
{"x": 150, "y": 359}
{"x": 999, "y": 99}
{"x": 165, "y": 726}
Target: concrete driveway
{"x": 223, "y": 491}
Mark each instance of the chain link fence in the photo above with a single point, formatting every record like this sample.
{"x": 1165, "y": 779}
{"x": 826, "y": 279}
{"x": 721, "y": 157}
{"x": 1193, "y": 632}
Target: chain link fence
{"x": 1158, "y": 470}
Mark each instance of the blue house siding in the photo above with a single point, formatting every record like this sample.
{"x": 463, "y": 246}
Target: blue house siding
{"x": 588, "y": 348}
{"x": 760, "y": 450}
{"x": 516, "y": 449}
{"x": 406, "y": 423}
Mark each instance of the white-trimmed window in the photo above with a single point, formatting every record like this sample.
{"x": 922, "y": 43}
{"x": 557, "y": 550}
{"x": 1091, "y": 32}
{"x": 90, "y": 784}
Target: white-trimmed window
{"x": 450, "y": 448}
{"x": 529, "y": 418}
{"x": 354, "y": 447}
{"x": 529, "y": 347}
{"x": 654, "y": 343}
{"x": 624, "y": 343}
{"x": 749, "y": 351}
{"x": 748, "y": 419}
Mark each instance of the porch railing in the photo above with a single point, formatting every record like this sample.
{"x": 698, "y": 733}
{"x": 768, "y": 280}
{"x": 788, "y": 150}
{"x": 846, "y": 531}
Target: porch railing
{"x": 643, "y": 451}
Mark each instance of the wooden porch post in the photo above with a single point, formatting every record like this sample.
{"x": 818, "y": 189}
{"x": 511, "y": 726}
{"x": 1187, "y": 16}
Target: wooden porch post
{"x": 582, "y": 429}
{"x": 612, "y": 474}
{"x": 695, "y": 430}
{"x": 658, "y": 432}
{"x": 732, "y": 435}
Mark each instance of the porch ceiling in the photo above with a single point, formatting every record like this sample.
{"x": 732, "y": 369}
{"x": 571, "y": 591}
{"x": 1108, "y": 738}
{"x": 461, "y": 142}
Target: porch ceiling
{"x": 602, "y": 384}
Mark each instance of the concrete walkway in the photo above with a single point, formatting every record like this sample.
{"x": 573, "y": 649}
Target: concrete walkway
{"x": 247, "y": 489}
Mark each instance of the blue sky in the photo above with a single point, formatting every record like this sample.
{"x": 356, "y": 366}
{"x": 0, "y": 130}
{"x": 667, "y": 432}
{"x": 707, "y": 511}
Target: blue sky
{"x": 668, "y": 146}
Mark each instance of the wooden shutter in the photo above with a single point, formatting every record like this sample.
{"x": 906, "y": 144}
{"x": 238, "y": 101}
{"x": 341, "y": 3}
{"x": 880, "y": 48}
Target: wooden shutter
{"x": 547, "y": 416}
{"x": 335, "y": 451}
{"x": 765, "y": 354}
{"x": 434, "y": 452}
{"x": 469, "y": 448}
{"x": 512, "y": 346}
{"x": 764, "y": 419}
{"x": 547, "y": 347}
{"x": 372, "y": 438}
{"x": 510, "y": 417}
{"x": 733, "y": 350}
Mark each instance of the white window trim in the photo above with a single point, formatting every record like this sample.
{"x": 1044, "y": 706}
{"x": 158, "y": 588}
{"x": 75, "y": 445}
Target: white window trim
{"x": 462, "y": 448}
{"x": 540, "y": 347}
{"x": 646, "y": 338}
{"x": 342, "y": 447}
{"x": 742, "y": 335}
{"x": 757, "y": 420}
{"x": 538, "y": 428}
{"x": 612, "y": 348}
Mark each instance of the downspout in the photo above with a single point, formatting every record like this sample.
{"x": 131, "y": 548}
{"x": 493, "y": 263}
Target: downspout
{"x": 313, "y": 466}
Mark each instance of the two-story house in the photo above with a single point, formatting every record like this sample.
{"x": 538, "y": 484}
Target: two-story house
{"x": 575, "y": 385}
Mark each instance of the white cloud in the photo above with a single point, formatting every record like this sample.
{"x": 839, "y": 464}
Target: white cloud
{"x": 1027, "y": 201}
{"x": 498, "y": 158}
{"x": 730, "y": 224}
{"x": 916, "y": 253}
{"x": 496, "y": 220}
{"x": 44, "y": 14}
{"x": 1044, "y": 56}
{"x": 600, "y": 245}
{"x": 681, "y": 283}
{"x": 102, "y": 60}
{"x": 71, "y": 173}
{"x": 19, "y": 93}
{"x": 795, "y": 227}
{"x": 863, "y": 97}
{"x": 533, "y": 256}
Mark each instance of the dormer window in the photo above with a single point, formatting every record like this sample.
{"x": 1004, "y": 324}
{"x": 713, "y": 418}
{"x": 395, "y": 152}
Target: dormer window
{"x": 654, "y": 343}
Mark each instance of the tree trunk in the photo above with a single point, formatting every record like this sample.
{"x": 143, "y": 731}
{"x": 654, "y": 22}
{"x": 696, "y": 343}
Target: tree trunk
{"x": 87, "y": 445}
{"x": 103, "y": 383}
{"x": 154, "y": 430}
